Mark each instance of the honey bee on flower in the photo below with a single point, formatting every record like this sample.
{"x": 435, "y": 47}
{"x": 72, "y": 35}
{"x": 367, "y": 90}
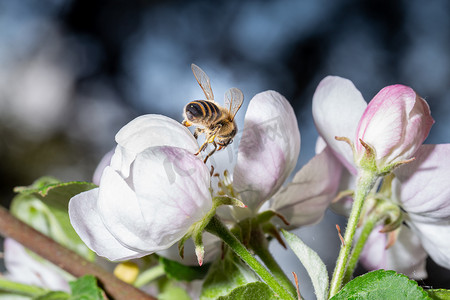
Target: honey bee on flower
{"x": 215, "y": 121}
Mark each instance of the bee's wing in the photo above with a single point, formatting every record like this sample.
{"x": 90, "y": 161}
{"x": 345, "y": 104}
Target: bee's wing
{"x": 203, "y": 81}
{"x": 233, "y": 100}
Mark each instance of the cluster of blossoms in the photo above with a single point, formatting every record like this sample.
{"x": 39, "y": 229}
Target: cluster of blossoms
{"x": 154, "y": 189}
{"x": 394, "y": 124}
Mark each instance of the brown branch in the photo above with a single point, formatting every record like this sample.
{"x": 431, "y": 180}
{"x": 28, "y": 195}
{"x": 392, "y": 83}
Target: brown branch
{"x": 65, "y": 258}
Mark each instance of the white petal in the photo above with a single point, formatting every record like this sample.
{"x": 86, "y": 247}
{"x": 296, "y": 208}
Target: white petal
{"x": 424, "y": 188}
{"x": 435, "y": 239}
{"x": 104, "y": 162}
{"x": 268, "y": 150}
{"x": 406, "y": 256}
{"x": 305, "y": 199}
{"x": 23, "y": 268}
{"x": 150, "y": 131}
{"x": 89, "y": 226}
{"x": 171, "y": 192}
{"x": 178, "y": 194}
{"x": 337, "y": 108}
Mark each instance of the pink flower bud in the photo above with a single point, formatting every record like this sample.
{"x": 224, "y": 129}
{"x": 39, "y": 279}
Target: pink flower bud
{"x": 394, "y": 124}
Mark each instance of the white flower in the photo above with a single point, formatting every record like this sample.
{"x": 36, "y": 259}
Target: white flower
{"x": 154, "y": 189}
{"x": 268, "y": 152}
{"x": 395, "y": 125}
{"x": 22, "y": 267}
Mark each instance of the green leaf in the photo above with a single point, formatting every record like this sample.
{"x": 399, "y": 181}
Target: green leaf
{"x": 381, "y": 284}
{"x": 315, "y": 267}
{"x": 251, "y": 291}
{"x": 180, "y": 272}
{"x": 86, "y": 288}
{"x": 44, "y": 206}
{"x": 226, "y": 274}
{"x": 54, "y": 296}
{"x": 440, "y": 294}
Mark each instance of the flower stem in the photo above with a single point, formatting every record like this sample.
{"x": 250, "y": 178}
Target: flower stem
{"x": 216, "y": 227}
{"x": 369, "y": 225}
{"x": 259, "y": 244}
{"x": 20, "y": 288}
{"x": 149, "y": 275}
{"x": 365, "y": 182}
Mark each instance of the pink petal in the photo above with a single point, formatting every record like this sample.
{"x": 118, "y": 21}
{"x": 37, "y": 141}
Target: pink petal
{"x": 406, "y": 256}
{"x": 89, "y": 226}
{"x": 424, "y": 189}
{"x": 337, "y": 108}
{"x": 305, "y": 199}
{"x": 268, "y": 149}
{"x": 395, "y": 123}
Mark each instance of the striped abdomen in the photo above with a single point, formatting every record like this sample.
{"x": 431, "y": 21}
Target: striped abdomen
{"x": 202, "y": 112}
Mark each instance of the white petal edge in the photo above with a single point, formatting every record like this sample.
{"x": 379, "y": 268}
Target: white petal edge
{"x": 268, "y": 150}
{"x": 337, "y": 108}
{"x": 23, "y": 268}
{"x": 104, "y": 162}
{"x": 305, "y": 200}
{"x": 149, "y": 131}
{"x": 89, "y": 226}
{"x": 424, "y": 188}
{"x": 435, "y": 239}
{"x": 406, "y": 256}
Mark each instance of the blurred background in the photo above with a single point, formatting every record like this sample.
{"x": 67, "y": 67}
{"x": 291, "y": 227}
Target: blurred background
{"x": 72, "y": 73}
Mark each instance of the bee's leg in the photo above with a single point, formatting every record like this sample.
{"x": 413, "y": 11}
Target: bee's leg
{"x": 203, "y": 147}
{"x": 212, "y": 171}
{"x": 212, "y": 152}
{"x": 209, "y": 139}
{"x": 198, "y": 131}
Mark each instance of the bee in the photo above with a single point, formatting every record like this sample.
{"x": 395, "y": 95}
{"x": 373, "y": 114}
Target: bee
{"x": 215, "y": 121}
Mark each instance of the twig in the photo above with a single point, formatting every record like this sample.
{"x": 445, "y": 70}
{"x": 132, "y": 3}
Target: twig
{"x": 65, "y": 258}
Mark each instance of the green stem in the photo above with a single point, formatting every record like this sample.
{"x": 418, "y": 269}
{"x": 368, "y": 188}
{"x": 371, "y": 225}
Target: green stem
{"x": 20, "y": 288}
{"x": 365, "y": 183}
{"x": 259, "y": 244}
{"x": 216, "y": 227}
{"x": 149, "y": 275}
{"x": 369, "y": 225}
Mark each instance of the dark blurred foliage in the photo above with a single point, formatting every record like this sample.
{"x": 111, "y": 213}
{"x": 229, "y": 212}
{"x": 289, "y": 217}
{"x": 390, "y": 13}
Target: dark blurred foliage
{"x": 74, "y": 72}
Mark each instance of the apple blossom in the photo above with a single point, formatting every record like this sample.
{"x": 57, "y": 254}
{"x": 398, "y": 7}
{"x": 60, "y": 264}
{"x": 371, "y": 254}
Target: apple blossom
{"x": 393, "y": 125}
{"x": 268, "y": 153}
{"x": 383, "y": 135}
{"x": 421, "y": 190}
{"x": 145, "y": 201}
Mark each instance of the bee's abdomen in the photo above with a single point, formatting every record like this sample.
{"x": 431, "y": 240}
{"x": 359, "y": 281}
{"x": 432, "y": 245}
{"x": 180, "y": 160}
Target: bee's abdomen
{"x": 202, "y": 111}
